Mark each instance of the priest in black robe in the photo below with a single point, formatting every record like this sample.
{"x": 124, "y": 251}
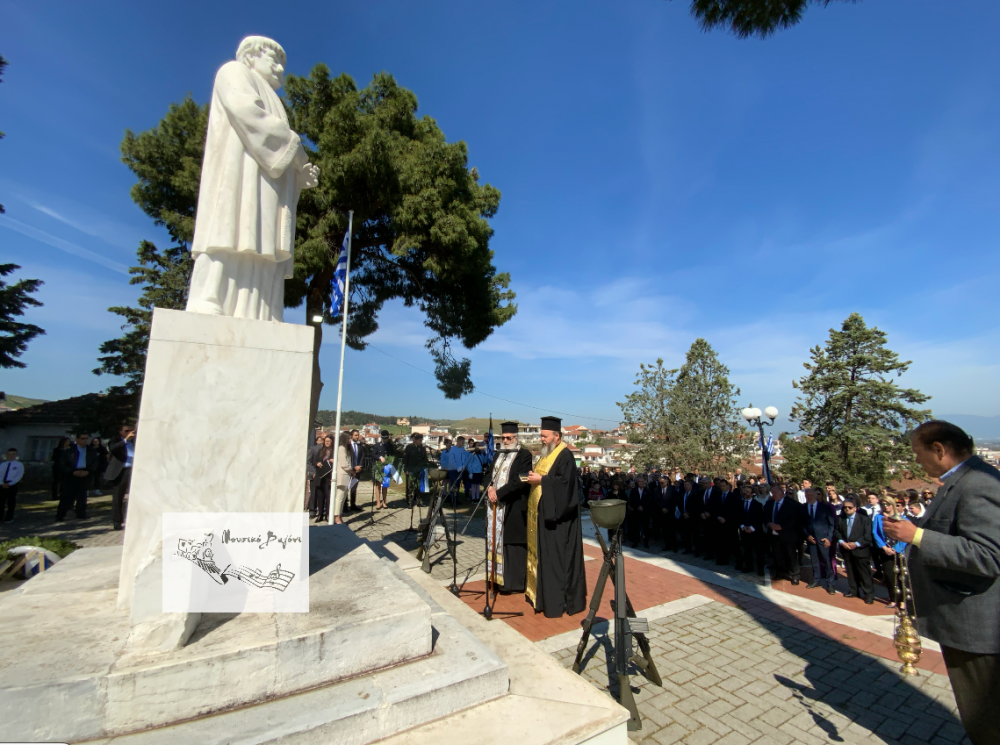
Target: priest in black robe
{"x": 510, "y": 494}
{"x": 556, "y": 582}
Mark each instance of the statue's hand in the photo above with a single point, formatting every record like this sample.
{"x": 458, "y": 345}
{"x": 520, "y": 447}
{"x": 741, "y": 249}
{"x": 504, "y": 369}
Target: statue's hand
{"x": 309, "y": 176}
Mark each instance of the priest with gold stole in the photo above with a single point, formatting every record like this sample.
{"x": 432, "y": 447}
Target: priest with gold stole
{"x": 556, "y": 582}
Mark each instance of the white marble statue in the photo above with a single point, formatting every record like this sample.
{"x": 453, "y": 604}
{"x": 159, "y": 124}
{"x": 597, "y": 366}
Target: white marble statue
{"x": 253, "y": 171}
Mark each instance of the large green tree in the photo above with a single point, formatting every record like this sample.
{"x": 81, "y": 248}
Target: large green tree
{"x": 853, "y": 416}
{"x": 689, "y": 417}
{"x": 746, "y": 18}
{"x": 421, "y": 231}
{"x": 14, "y": 299}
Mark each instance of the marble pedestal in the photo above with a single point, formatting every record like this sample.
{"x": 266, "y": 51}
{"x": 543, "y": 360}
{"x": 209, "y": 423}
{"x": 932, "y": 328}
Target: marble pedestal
{"x": 371, "y": 658}
{"x": 223, "y": 427}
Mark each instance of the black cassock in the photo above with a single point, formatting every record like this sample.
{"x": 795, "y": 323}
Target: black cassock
{"x": 561, "y": 584}
{"x": 514, "y": 495}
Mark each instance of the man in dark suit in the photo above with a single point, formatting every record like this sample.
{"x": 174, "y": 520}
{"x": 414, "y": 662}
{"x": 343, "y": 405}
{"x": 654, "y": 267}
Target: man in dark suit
{"x": 819, "y": 521}
{"x": 119, "y": 472}
{"x": 854, "y": 536}
{"x": 690, "y": 505}
{"x": 784, "y": 525}
{"x": 954, "y": 563}
{"x": 77, "y": 466}
{"x": 724, "y": 510}
{"x": 665, "y": 510}
{"x": 749, "y": 520}
{"x": 640, "y": 513}
{"x": 705, "y": 540}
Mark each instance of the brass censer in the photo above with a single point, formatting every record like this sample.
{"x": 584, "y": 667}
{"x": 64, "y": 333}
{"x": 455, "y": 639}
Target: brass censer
{"x": 905, "y": 635}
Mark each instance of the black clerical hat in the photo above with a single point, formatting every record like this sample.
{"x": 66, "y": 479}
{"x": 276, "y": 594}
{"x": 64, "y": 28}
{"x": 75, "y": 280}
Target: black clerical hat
{"x": 552, "y": 424}
{"x": 508, "y": 428}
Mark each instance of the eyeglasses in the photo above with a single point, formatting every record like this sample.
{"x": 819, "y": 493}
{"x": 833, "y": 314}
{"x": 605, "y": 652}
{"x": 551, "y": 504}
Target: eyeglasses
{"x": 508, "y": 438}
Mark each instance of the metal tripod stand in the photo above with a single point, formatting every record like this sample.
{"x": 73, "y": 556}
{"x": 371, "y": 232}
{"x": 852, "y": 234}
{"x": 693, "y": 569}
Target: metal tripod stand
{"x": 609, "y": 514}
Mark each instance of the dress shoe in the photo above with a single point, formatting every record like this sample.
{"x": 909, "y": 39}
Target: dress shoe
{"x": 812, "y": 585}
{"x": 795, "y": 582}
{"x": 831, "y": 590}
{"x": 869, "y": 601}
{"x": 850, "y": 595}
{"x": 118, "y": 526}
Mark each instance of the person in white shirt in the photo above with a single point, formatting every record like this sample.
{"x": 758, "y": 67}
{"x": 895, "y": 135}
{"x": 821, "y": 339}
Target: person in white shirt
{"x": 11, "y": 472}
{"x": 806, "y": 486}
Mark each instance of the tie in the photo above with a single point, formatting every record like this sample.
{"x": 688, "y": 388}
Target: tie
{"x": 746, "y": 507}
{"x": 6, "y": 473}
{"x": 812, "y": 512}
{"x": 850, "y": 526}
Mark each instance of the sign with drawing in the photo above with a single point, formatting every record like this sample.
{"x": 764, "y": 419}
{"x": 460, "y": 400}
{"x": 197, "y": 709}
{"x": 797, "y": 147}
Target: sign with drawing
{"x": 235, "y": 562}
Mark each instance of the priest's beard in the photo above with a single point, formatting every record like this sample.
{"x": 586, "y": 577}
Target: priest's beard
{"x": 510, "y": 447}
{"x": 547, "y": 449}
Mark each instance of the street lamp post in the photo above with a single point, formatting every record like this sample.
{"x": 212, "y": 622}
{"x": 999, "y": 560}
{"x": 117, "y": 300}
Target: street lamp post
{"x": 755, "y": 419}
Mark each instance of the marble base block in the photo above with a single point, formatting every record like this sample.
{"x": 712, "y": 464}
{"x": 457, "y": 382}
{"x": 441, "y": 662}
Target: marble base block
{"x": 223, "y": 427}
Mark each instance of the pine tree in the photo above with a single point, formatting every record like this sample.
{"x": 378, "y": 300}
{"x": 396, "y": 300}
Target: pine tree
{"x": 689, "y": 417}
{"x": 708, "y": 431}
{"x": 646, "y": 414}
{"x": 854, "y": 416}
{"x": 746, "y": 18}
{"x": 14, "y": 335}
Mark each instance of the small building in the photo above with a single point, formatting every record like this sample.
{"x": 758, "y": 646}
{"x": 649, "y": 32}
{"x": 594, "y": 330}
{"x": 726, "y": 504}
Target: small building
{"x": 36, "y": 430}
{"x": 422, "y": 429}
{"x": 404, "y": 422}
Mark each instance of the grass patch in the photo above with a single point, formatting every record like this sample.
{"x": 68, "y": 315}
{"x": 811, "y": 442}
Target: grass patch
{"x": 59, "y": 546}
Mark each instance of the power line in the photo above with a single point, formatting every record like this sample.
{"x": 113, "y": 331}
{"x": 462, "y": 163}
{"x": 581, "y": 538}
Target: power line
{"x": 475, "y": 389}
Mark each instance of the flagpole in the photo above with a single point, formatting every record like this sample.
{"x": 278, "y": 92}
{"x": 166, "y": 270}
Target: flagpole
{"x": 343, "y": 346}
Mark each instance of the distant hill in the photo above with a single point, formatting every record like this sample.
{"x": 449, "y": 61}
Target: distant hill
{"x": 11, "y": 401}
{"x": 980, "y": 427}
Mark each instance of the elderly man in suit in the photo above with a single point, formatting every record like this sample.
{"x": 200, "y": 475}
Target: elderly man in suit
{"x": 749, "y": 520}
{"x": 954, "y": 562}
{"x": 818, "y": 520}
{"x": 784, "y": 525}
{"x": 854, "y": 536}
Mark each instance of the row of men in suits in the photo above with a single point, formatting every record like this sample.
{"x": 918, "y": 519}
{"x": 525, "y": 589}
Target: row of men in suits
{"x": 715, "y": 520}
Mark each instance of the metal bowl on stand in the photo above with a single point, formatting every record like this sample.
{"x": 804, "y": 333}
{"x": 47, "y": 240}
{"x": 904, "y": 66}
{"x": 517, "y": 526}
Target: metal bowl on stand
{"x": 608, "y": 513}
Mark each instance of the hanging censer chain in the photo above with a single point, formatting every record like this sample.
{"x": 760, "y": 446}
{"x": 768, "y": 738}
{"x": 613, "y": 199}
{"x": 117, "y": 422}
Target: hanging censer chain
{"x": 905, "y": 635}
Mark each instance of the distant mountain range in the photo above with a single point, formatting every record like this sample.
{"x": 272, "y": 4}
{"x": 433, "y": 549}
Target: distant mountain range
{"x": 980, "y": 427}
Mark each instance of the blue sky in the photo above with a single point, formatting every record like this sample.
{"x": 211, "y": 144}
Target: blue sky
{"x": 659, "y": 184}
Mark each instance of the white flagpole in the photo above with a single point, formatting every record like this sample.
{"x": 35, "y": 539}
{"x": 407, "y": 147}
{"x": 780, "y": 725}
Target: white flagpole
{"x": 343, "y": 345}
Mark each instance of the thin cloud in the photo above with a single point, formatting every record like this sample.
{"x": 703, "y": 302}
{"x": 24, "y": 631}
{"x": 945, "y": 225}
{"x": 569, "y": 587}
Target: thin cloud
{"x": 61, "y": 244}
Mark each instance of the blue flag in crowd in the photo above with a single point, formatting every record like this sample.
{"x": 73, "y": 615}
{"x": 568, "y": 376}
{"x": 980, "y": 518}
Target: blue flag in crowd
{"x": 769, "y": 446}
{"x": 339, "y": 280}
{"x": 490, "y": 449}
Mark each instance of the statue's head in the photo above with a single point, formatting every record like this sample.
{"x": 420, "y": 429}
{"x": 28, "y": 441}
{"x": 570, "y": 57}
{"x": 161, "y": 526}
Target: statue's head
{"x": 265, "y": 57}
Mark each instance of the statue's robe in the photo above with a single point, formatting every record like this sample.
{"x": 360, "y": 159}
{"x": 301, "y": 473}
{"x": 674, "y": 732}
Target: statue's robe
{"x": 512, "y": 495}
{"x": 245, "y": 224}
{"x": 556, "y": 581}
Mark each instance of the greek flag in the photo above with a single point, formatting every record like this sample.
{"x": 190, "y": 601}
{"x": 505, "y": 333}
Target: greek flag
{"x": 424, "y": 486}
{"x": 769, "y": 445}
{"x": 339, "y": 280}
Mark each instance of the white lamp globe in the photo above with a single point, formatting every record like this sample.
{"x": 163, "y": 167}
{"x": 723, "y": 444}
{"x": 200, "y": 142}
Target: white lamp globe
{"x": 771, "y": 412}
{"x": 748, "y": 414}
{"x": 755, "y": 413}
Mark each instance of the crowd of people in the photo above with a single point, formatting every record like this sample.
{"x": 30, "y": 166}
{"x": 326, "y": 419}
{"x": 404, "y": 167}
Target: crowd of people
{"x": 742, "y": 520}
